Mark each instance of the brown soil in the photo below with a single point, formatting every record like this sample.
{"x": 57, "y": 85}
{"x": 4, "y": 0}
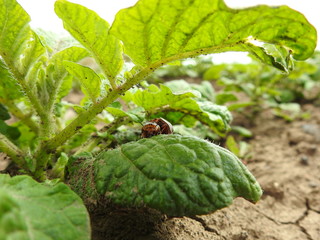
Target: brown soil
{"x": 287, "y": 165}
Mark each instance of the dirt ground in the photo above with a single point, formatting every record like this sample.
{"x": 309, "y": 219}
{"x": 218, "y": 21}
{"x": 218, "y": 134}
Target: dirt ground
{"x": 286, "y": 163}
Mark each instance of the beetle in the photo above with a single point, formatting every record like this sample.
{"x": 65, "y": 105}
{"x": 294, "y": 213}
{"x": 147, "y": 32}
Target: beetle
{"x": 155, "y": 127}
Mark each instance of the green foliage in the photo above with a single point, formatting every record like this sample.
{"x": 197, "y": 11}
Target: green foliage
{"x": 87, "y": 27}
{"x": 182, "y": 106}
{"x": 89, "y": 80}
{"x": 5, "y": 129}
{"x": 30, "y": 210}
{"x": 213, "y": 28}
{"x": 176, "y": 174}
{"x": 266, "y": 87}
{"x": 193, "y": 176}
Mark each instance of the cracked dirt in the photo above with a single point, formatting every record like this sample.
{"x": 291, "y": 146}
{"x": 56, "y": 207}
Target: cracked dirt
{"x": 286, "y": 163}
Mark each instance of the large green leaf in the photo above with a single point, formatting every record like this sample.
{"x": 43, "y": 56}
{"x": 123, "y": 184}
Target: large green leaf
{"x": 92, "y": 32}
{"x": 159, "y": 31}
{"x": 30, "y": 210}
{"x": 175, "y": 174}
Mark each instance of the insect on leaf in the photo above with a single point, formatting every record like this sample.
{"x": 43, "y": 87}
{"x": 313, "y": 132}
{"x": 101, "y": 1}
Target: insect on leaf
{"x": 156, "y": 99}
{"x": 178, "y": 175}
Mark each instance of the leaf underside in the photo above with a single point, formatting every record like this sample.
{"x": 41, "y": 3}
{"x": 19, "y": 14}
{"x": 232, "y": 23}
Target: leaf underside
{"x": 178, "y": 175}
{"x": 186, "y": 103}
{"x": 92, "y": 32}
{"x": 156, "y": 31}
{"x": 20, "y": 48}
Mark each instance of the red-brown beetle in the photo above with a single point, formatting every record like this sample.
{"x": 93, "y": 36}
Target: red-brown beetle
{"x": 155, "y": 127}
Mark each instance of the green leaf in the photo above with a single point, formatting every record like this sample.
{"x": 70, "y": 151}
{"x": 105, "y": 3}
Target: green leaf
{"x": 155, "y": 32}
{"x": 244, "y": 132}
{"x": 4, "y": 115}
{"x": 9, "y": 89}
{"x": 56, "y": 70}
{"x": 89, "y": 80}
{"x": 59, "y": 168}
{"x": 232, "y": 145}
{"x": 11, "y": 132}
{"x": 92, "y": 32}
{"x": 277, "y": 56}
{"x": 157, "y": 100}
{"x": 5, "y": 129}
{"x": 30, "y": 210}
{"x": 214, "y": 72}
{"x": 14, "y": 29}
{"x": 135, "y": 115}
{"x": 154, "y": 97}
{"x": 178, "y": 175}
{"x": 205, "y": 88}
{"x": 235, "y": 106}
{"x": 224, "y": 97}
{"x": 20, "y": 47}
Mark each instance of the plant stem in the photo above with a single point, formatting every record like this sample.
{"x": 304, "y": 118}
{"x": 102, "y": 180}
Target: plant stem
{"x": 84, "y": 118}
{"x": 25, "y": 118}
{"x": 12, "y": 151}
{"x": 94, "y": 140}
{"x": 27, "y": 90}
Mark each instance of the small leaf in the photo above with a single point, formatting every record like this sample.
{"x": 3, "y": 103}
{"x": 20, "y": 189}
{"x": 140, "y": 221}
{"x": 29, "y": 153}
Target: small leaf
{"x": 224, "y": 97}
{"x": 154, "y": 99}
{"x": 59, "y": 168}
{"x": 73, "y": 54}
{"x": 205, "y": 88}
{"x": 20, "y": 47}
{"x": 92, "y": 32}
{"x": 30, "y": 210}
{"x": 214, "y": 72}
{"x": 136, "y": 116}
{"x": 274, "y": 55}
{"x": 89, "y": 80}
{"x": 156, "y": 32}
{"x": 9, "y": 88}
{"x": 232, "y": 145}
{"x": 178, "y": 175}
{"x": 244, "y": 132}
{"x": 56, "y": 70}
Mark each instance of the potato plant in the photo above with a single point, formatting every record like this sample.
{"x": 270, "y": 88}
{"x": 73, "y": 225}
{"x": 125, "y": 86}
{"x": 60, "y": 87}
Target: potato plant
{"x": 176, "y": 174}
{"x": 266, "y": 87}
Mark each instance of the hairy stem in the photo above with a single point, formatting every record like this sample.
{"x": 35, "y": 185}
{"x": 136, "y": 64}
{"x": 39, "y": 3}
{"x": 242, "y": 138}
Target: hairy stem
{"x": 12, "y": 151}
{"x": 25, "y": 87}
{"x": 94, "y": 140}
{"x": 84, "y": 118}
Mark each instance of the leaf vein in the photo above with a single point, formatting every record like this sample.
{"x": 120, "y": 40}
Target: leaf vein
{"x": 172, "y": 29}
